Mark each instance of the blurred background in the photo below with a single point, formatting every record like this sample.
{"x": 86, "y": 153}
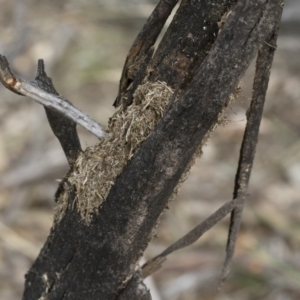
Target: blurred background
{"x": 84, "y": 45}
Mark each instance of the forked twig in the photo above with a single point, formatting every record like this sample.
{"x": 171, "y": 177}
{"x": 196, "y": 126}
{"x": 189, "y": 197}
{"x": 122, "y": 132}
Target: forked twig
{"x": 30, "y": 89}
{"x": 192, "y": 236}
{"x": 247, "y": 152}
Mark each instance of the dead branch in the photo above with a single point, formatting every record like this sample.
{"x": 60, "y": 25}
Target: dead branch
{"x": 58, "y": 103}
{"x": 247, "y": 152}
{"x": 191, "y": 237}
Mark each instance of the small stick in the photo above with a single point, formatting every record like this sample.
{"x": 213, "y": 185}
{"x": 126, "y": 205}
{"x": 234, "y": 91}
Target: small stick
{"x": 247, "y": 152}
{"x": 191, "y": 237}
{"x": 29, "y": 89}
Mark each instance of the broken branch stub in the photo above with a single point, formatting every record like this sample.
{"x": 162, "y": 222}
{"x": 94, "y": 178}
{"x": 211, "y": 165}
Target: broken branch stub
{"x": 191, "y": 237}
{"x": 63, "y": 128}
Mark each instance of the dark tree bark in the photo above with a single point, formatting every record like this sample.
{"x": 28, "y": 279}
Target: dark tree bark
{"x": 204, "y": 60}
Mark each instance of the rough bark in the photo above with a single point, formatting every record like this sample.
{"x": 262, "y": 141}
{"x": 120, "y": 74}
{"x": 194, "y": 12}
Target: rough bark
{"x": 97, "y": 260}
{"x": 135, "y": 289}
{"x": 188, "y": 40}
{"x": 182, "y": 50}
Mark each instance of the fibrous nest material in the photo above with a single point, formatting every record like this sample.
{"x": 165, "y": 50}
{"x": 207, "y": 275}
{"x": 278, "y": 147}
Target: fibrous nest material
{"x": 96, "y": 169}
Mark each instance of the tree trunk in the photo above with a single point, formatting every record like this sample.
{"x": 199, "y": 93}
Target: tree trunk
{"x": 109, "y": 203}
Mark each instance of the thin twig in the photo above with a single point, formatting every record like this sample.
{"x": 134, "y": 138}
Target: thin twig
{"x": 247, "y": 152}
{"x": 192, "y": 236}
{"x": 29, "y": 89}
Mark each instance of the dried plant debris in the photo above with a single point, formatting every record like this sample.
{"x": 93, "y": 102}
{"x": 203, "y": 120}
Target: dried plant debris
{"x": 95, "y": 170}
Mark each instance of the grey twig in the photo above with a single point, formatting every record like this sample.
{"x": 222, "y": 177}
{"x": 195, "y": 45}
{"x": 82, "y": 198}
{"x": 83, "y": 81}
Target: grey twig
{"x": 29, "y": 89}
{"x": 191, "y": 237}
